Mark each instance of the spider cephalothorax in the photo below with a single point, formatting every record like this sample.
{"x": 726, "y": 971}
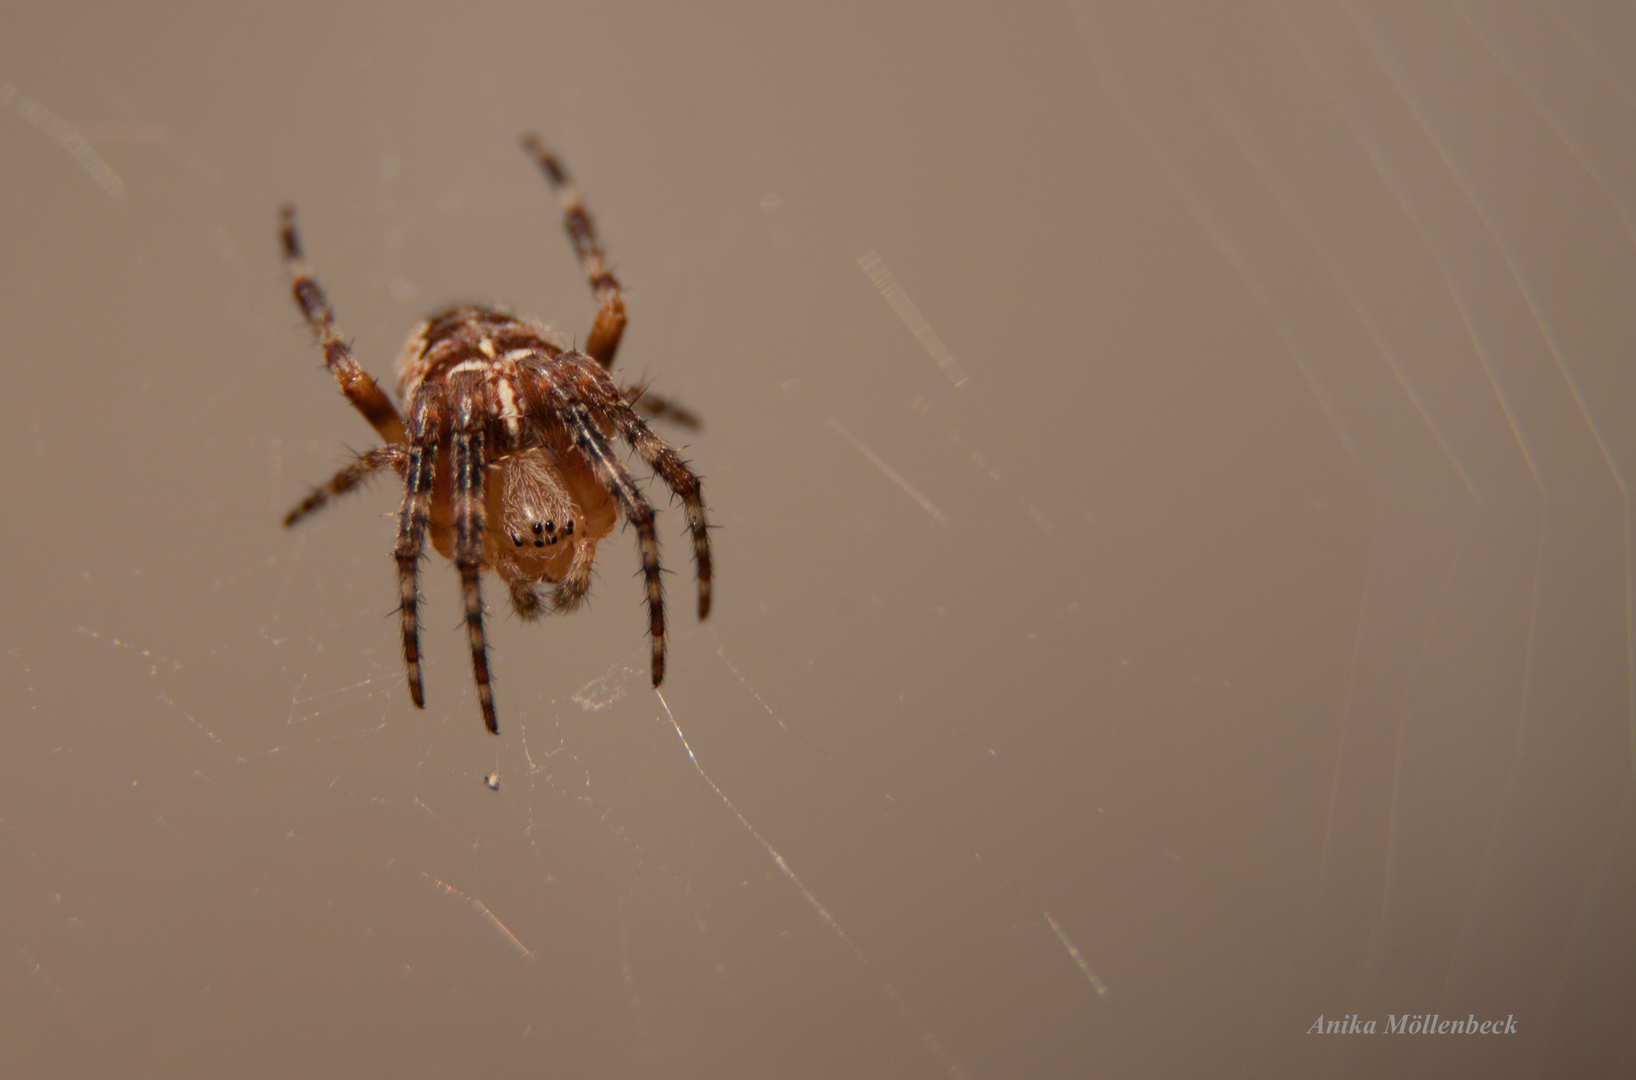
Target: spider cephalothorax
{"x": 505, "y": 447}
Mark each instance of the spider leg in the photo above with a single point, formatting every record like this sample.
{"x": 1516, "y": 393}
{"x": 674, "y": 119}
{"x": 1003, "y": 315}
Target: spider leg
{"x": 424, "y": 422}
{"x": 610, "y": 312}
{"x": 362, "y": 468}
{"x": 471, "y": 526}
{"x": 612, "y": 476}
{"x": 364, "y": 393}
{"x": 659, "y": 407}
{"x": 680, "y": 479}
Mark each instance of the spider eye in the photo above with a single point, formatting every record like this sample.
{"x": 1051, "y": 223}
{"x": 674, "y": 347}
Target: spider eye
{"x": 568, "y": 529}
{"x": 538, "y": 527}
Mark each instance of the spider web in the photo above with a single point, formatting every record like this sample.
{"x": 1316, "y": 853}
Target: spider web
{"x": 1174, "y": 554}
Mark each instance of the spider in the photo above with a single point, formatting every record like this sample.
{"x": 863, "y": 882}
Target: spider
{"x": 504, "y": 422}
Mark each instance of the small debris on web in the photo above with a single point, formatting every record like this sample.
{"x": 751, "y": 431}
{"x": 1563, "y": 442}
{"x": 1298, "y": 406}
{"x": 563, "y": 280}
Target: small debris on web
{"x": 602, "y": 692}
{"x": 492, "y": 779}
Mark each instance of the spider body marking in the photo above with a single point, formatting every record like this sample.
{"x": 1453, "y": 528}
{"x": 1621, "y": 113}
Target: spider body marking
{"x": 505, "y": 449}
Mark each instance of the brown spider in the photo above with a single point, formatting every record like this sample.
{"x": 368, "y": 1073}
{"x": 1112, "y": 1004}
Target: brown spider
{"x": 506, "y": 422}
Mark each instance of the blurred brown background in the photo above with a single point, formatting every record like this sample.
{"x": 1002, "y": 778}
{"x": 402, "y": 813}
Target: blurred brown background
{"x": 1173, "y": 471}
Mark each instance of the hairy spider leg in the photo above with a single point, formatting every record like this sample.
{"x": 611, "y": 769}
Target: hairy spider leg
{"x": 610, "y": 312}
{"x": 363, "y": 466}
{"x": 679, "y": 478}
{"x": 659, "y": 407}
{"x": 364, "y": 393}
{"x": 613, "y": 477}
{"x": 425, "y": 420}
{"x": 471, "y": 527}
{"x": 609, "y": 326}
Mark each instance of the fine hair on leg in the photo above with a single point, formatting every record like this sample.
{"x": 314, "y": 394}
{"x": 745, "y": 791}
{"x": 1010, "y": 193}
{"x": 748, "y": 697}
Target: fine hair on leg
{"x": 364, "y": 393}
{"x": 613, "y": 477}
{"x": 425, "y": 419}
{"x": 658, "y": 407}
{"x": 671, "y": 469}
{"x": 364, "y": 466}
{"x": 610, "y": 310}
{"x": 470, "y": 514}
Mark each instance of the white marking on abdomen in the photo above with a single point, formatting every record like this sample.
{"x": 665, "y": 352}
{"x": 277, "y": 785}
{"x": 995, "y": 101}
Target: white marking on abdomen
{"x": 508, "y": 407}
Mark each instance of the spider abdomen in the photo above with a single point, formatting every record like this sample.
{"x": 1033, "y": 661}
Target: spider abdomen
{"x": 472, "y": 334}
